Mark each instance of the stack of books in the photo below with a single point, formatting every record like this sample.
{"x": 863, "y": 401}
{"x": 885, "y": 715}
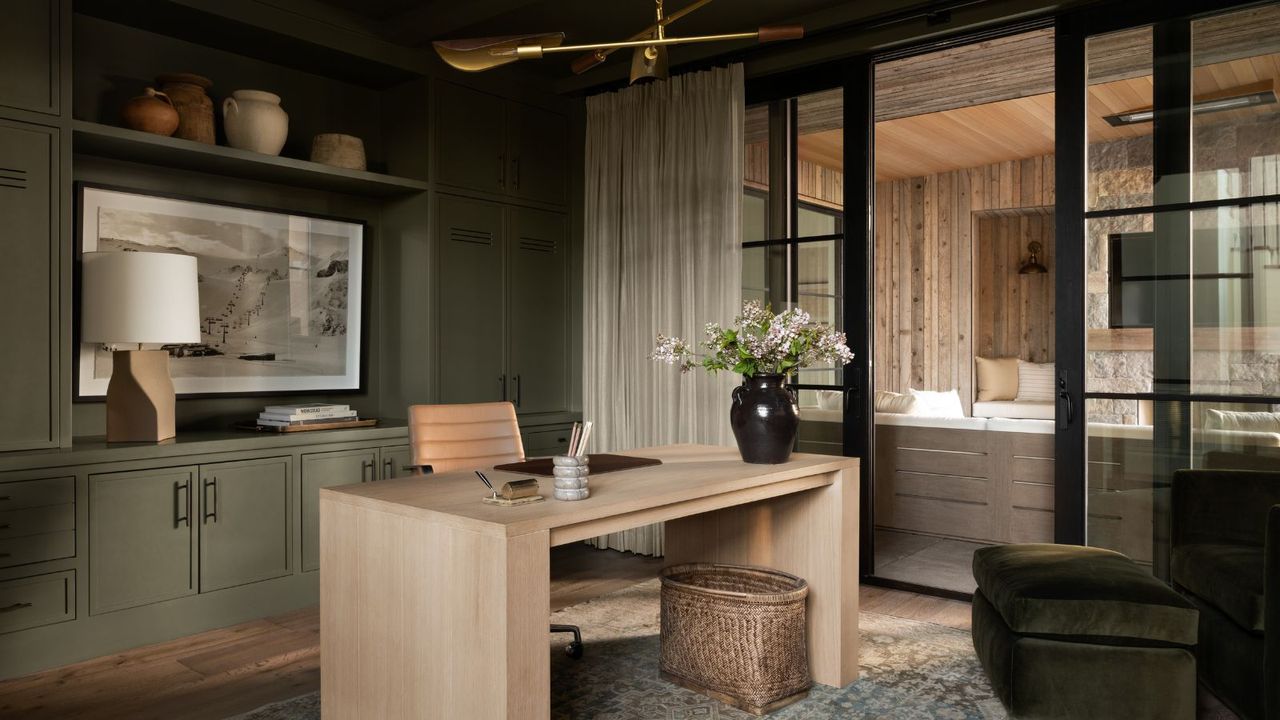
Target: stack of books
{"x": 305, "y": 414}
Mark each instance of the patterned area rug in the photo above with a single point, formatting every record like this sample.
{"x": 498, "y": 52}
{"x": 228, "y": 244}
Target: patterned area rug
{"x": 910, "y": 669}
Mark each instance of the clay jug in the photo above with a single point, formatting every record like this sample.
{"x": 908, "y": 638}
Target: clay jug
{"x": 255, "y": 121}
{"x": 151, "y": 113}
{"x": 190, "y": 97}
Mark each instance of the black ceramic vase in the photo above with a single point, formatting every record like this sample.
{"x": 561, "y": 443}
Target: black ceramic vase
{"x": 764, "y": 419}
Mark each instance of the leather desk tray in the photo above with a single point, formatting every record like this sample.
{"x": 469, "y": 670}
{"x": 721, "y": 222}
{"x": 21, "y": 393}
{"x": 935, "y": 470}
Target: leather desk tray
{"x": 599, "y": 464}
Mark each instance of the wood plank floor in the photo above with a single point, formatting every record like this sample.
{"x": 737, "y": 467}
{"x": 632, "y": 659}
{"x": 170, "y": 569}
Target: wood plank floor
{"x": 225, "y": 672}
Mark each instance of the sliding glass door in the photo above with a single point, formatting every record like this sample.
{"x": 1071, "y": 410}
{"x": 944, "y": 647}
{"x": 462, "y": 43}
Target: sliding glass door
{"x": 1179, "y": 213}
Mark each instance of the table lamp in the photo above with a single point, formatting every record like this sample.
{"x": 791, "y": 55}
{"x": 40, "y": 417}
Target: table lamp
{"x": 136, "y": 299}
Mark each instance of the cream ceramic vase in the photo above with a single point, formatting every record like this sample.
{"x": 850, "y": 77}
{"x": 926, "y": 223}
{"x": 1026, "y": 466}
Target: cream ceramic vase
{"x": 255, "y": 121}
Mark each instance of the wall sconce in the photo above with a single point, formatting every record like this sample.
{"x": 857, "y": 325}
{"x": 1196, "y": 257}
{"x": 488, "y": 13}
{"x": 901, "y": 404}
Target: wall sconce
{"x": 1033, "y": 265}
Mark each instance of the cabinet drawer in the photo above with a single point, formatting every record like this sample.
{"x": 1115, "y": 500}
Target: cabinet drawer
{"x": 552, "y": 441}
{"x": 34, "y": 601}
{"x": 34, "y": 493}
{"x": 37, "y": 548}
{"x": 37, "y": 520}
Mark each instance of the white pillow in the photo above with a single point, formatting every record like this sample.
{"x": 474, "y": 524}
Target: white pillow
{"x": 1243, "y": 421}
{"x": 933, "y": 403}
{"x": 896, "y": 403}
{"x": 1035, "y": 381}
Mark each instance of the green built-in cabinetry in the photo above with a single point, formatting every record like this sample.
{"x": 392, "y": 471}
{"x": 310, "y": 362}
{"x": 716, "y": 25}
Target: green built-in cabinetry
{"x": 29, "y": 55}
{"x": 506, "y": 270}
{"x": 327, "y": 469}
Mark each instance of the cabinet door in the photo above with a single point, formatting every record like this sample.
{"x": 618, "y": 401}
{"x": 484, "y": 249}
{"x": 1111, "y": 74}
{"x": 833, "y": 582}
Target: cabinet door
{"x": 469, "y": 144}
{"x": 471, "y": 301}
{"x": 321, "y": 470}
{"x": 394, "y": 461}
{"x": 141, "y": 538}
{"x": 29, "y": 55}
{"x": 244, "y": 522}
{"x": 29, "y": 354}
{"x": 538, "y": 146}
{"x": 538, "y": 311}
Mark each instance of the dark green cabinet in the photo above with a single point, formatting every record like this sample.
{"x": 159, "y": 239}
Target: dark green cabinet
{"x": 28, "y": 278}
{"x": 537, "y": 309}
{"x": 29, "y": 53}
{"x": 394, "y": 461}
{"x": 471, "y": 364}
{"x": 484, "y": 142}
{"x": 329, "y": 469}
{"x": 141, "y": 537}
{"x": 244, "y": 522}
{"x": 504, "y": 279}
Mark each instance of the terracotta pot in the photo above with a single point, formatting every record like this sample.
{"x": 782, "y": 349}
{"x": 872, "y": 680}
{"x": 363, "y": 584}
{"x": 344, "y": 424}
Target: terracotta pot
{"x": 151, "y": 113}
{"x": 338, "y": 150}
{"x": 190, "y": 97}
{"x": 255, "y": 121}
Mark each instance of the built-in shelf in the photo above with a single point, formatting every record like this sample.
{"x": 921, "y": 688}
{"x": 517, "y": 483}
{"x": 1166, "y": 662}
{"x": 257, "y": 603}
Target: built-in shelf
{"x": 123, "y": 144}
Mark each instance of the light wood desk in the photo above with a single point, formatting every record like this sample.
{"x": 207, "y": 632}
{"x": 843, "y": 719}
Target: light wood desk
{"x": 436, "y": 605}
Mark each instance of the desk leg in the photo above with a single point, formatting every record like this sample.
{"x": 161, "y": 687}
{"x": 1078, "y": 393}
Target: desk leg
{"x": 421, "y": 620}
{"x": 813, "y": 534}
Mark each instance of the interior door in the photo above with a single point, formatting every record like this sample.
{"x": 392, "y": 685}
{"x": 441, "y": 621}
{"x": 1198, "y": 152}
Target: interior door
{"x": 471, "y": 366}
{"x": 538, "y": 310}
{"x": 244, "y": 522}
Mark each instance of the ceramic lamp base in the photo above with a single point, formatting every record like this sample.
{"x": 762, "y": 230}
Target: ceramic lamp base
{"x": 140, "y": 398}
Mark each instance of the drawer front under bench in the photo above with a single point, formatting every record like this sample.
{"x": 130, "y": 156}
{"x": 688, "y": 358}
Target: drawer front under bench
{"x": 40, "y": 600}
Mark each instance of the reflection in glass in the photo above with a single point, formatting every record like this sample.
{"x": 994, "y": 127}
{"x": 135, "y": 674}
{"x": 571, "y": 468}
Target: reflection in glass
{"x": 1118, "y": 120}
{"x": 1119, "y": 308}
{"x": 755, "y": 168}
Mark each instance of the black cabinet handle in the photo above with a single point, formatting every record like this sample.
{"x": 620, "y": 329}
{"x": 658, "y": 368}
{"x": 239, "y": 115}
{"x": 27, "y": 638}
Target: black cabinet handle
{"x": 5, "y": 498}
{"x": 518, "y": 393}
{"x": 15, "y": 606}
{"x": 367, "y": 465}
{"x": 181, "y": 510}
{"x": 502, "y": 171}
{"x": 388, "y": 469}
{"x": 208, "y": 515}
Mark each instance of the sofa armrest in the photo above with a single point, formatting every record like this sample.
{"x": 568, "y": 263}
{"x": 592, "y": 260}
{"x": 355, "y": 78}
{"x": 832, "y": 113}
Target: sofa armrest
{"x": 1223, "y": 506}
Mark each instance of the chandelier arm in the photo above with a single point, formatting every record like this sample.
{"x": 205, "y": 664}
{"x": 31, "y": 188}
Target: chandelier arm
{"x": 591, "y": 59}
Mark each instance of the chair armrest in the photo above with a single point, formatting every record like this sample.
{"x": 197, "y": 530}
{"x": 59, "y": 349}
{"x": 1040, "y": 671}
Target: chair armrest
{"x": 418, "y": 469}
{"x": 1271, "y": 614}
{"x": 1223, "y": 506}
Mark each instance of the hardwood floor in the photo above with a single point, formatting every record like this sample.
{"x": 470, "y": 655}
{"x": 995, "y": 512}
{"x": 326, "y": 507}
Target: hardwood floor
{"x": 225, "y": 672}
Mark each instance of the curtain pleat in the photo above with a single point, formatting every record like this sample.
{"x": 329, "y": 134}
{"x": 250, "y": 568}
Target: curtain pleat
{"x": 662, "y": 253}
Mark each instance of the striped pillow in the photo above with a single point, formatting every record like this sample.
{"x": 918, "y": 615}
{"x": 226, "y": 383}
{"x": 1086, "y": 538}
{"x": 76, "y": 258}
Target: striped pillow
{"x": 1035, "y": 381}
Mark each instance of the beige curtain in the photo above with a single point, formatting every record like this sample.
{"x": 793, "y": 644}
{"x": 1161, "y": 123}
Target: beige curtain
{"x": 662, "y": 254}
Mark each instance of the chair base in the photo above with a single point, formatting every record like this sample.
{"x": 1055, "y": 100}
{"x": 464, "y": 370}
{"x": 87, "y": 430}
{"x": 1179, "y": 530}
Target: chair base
{"x": 573, "y": 649}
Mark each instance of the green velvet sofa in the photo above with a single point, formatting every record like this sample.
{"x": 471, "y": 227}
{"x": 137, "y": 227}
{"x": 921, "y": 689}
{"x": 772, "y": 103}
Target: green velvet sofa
{"x": 1226, "y": 560}
{"x": 1067, "y": 632}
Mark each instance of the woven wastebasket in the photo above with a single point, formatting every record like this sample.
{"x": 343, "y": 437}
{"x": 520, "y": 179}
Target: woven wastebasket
{"x": 735, "y": 633}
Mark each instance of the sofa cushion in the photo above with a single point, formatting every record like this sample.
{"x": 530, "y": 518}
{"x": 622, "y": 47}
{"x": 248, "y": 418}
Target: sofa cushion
{"x": 1229, "y": 577}
{"x": 997, "y": 378}
{"x": 1068, "y": 592}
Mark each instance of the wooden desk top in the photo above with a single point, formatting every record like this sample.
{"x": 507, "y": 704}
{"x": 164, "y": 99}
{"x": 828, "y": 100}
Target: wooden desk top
{"x": 689, "y": 474}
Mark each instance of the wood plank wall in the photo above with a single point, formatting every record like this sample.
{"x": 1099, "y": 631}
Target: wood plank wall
{"x": 925, "y": 276}
{"x": 816, "y": 183}
{"x": 1015, "y": 313}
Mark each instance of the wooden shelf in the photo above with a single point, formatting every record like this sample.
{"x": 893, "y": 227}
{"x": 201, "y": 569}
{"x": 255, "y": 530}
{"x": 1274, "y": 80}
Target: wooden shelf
{"x": 123, "y": 144}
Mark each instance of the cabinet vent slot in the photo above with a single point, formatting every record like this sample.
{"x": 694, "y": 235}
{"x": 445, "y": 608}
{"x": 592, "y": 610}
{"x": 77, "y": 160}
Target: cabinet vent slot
{"x": 13, "y": 178}
{"x": 475, "y": 237}
{"x": 538, "y": 245}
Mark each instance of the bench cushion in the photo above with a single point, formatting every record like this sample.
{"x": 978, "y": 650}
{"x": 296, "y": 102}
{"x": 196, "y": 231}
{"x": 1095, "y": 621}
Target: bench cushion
{"x": 1229, "y": 577}
{"x": 1068, "y": 592}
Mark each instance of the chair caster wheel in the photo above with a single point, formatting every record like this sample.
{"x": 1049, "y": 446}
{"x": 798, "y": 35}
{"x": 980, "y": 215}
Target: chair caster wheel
{"x": 573, "y": 650}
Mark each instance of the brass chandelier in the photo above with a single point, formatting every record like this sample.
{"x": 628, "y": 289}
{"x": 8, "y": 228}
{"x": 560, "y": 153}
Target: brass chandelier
{"x": 648, "y": 60}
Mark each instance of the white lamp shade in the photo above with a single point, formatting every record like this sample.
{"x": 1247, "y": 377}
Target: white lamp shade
{"x": 139, "y": 297}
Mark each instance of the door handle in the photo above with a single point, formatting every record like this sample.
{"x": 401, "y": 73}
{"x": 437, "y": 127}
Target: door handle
{"x": 502, "y": 387}
{"x": 211, "y": 483}
{"x": 502, "y": 171}
{"x": 387, "y": 469}
{"x": 517, "y": 379}
{"x": 1068, "y": 405}
{"x": 367, "y": 465}
{"x": 181, "y": 508}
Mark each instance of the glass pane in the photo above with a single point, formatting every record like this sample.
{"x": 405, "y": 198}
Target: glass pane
{"x": 1236, "y": 120}
{"x": 755, "y": 201}
{"x": 818, "y": 293}
{"x": 820, "y": 162}
{"x": 1128, "y": 505}
{"x": 1236, "y": 300}
{"x": 1118, "y": 119}
{"x": 1119, "y": 306}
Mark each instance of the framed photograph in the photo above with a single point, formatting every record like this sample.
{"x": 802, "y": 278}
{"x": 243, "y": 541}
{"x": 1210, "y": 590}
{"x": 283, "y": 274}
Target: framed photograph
{"x": 281, "y": 295}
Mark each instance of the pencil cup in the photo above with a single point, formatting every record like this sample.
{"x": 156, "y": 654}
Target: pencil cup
{"x": 571, "y": 477}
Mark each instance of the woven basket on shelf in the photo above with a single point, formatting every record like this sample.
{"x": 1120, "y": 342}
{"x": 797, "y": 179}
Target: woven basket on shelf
{"x": 735, "y": 633}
